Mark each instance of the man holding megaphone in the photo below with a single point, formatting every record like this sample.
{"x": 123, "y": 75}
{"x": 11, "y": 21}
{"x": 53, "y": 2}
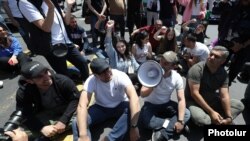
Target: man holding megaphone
{"x": 166, "y": 117}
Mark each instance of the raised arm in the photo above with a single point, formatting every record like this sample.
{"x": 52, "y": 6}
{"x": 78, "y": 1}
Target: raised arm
{"x": 46, "y": 24}
{"x": 157, "y": 36}
{"x": 67, "y": 14}
{"x": 185, "y": 25}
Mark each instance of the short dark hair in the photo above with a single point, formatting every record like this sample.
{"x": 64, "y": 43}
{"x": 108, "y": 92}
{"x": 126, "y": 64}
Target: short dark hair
{"x": 191, "y": 37}
{"x": 222, "y": 49}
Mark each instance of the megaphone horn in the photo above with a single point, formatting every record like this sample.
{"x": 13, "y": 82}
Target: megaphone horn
{"x": 150, "y": 73}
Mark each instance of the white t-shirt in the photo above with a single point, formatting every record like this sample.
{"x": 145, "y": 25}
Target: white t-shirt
{"x": 14, "y": 9}
{"x": 108, "y": 94}
{"x": 141, "y": 54}
{"x": 58, "y": 32}
{"x": 162, "y": 93}
{"x": 200, "y": 50}
{"x": 197, "y": 9}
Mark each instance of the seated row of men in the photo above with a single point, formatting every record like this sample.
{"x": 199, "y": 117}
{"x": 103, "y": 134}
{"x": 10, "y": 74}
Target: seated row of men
{"x": 50, "y": 103}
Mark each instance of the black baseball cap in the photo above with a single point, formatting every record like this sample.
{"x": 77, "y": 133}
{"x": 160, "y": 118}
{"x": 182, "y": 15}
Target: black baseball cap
{"x": 98, "y": 65}
{"x": 32, "y": 69}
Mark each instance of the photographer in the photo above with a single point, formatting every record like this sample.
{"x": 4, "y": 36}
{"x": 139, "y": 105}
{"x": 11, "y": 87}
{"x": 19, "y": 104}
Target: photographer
{"x": 17, "y": 135}
{"x": 236, "y": 36}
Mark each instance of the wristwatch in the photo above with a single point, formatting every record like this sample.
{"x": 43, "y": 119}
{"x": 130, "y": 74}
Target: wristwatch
{"x": 133, "y": 126}
{"x": 181, "y": 121}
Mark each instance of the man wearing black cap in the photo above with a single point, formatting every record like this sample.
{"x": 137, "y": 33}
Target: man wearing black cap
{"x": 47, "y": 101}
{"x": 115, "y": 97}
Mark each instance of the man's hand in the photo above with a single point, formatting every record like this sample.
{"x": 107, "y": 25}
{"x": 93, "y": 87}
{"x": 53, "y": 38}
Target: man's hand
{"x": 226, "y": 121}
{"x": 178, "y": 127}
{"x": 134, "y": 134}
{"x": 101, "y": 17}
{"x": 17, "y": 135}
{"x": 60, "y": 127}
{"x": 13, "y": 61}
{"x": 216, "y": 118}
{"x": 49, "y": 130}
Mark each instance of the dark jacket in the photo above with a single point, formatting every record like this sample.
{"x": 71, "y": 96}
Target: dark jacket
{"x": 28, "y": 100}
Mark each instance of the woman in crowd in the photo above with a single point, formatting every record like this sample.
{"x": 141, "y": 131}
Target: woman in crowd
{"x": 142, "y": 49}
{"x": 120, "y": 56}
{"x": 167, "y": 41}
{"x": 11, "y": 54}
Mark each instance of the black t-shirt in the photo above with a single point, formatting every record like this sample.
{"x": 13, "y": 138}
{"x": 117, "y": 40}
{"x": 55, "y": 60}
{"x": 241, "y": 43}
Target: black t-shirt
{"x": 134, "y": 6}
{"x": 166, "y": 9}
{"x": 97, "y": 5}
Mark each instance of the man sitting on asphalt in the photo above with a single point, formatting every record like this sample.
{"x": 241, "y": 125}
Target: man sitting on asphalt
{"x": 47, "y": 101}
{"x": 207, "y": 93}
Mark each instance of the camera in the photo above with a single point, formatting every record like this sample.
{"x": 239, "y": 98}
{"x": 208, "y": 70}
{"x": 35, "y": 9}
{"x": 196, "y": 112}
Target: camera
{"x": 13, "y": 123}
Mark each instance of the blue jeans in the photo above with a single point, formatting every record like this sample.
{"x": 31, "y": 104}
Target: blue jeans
{"x": 98, "y": 114}
{"x": 153, "y": 116}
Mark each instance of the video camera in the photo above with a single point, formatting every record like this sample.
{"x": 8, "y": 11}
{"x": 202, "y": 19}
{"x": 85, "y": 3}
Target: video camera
{"x": 13, "y": 123}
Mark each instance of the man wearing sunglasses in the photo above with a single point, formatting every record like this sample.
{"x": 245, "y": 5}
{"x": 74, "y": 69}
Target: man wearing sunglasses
{"x": 47, "y": 101}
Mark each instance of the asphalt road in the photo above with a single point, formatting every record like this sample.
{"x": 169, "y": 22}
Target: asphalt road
{"x": 7, "y": 93}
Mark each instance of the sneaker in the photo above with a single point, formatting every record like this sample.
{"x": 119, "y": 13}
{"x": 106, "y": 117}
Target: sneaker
{"x": 157, "y": 136}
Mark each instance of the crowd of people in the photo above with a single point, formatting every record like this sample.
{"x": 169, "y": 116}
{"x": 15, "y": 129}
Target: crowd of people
{"x": 51, "y": 104}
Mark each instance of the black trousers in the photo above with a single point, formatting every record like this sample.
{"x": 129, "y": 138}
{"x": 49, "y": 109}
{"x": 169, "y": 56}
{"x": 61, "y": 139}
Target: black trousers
{"x": 5, "y": 66}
